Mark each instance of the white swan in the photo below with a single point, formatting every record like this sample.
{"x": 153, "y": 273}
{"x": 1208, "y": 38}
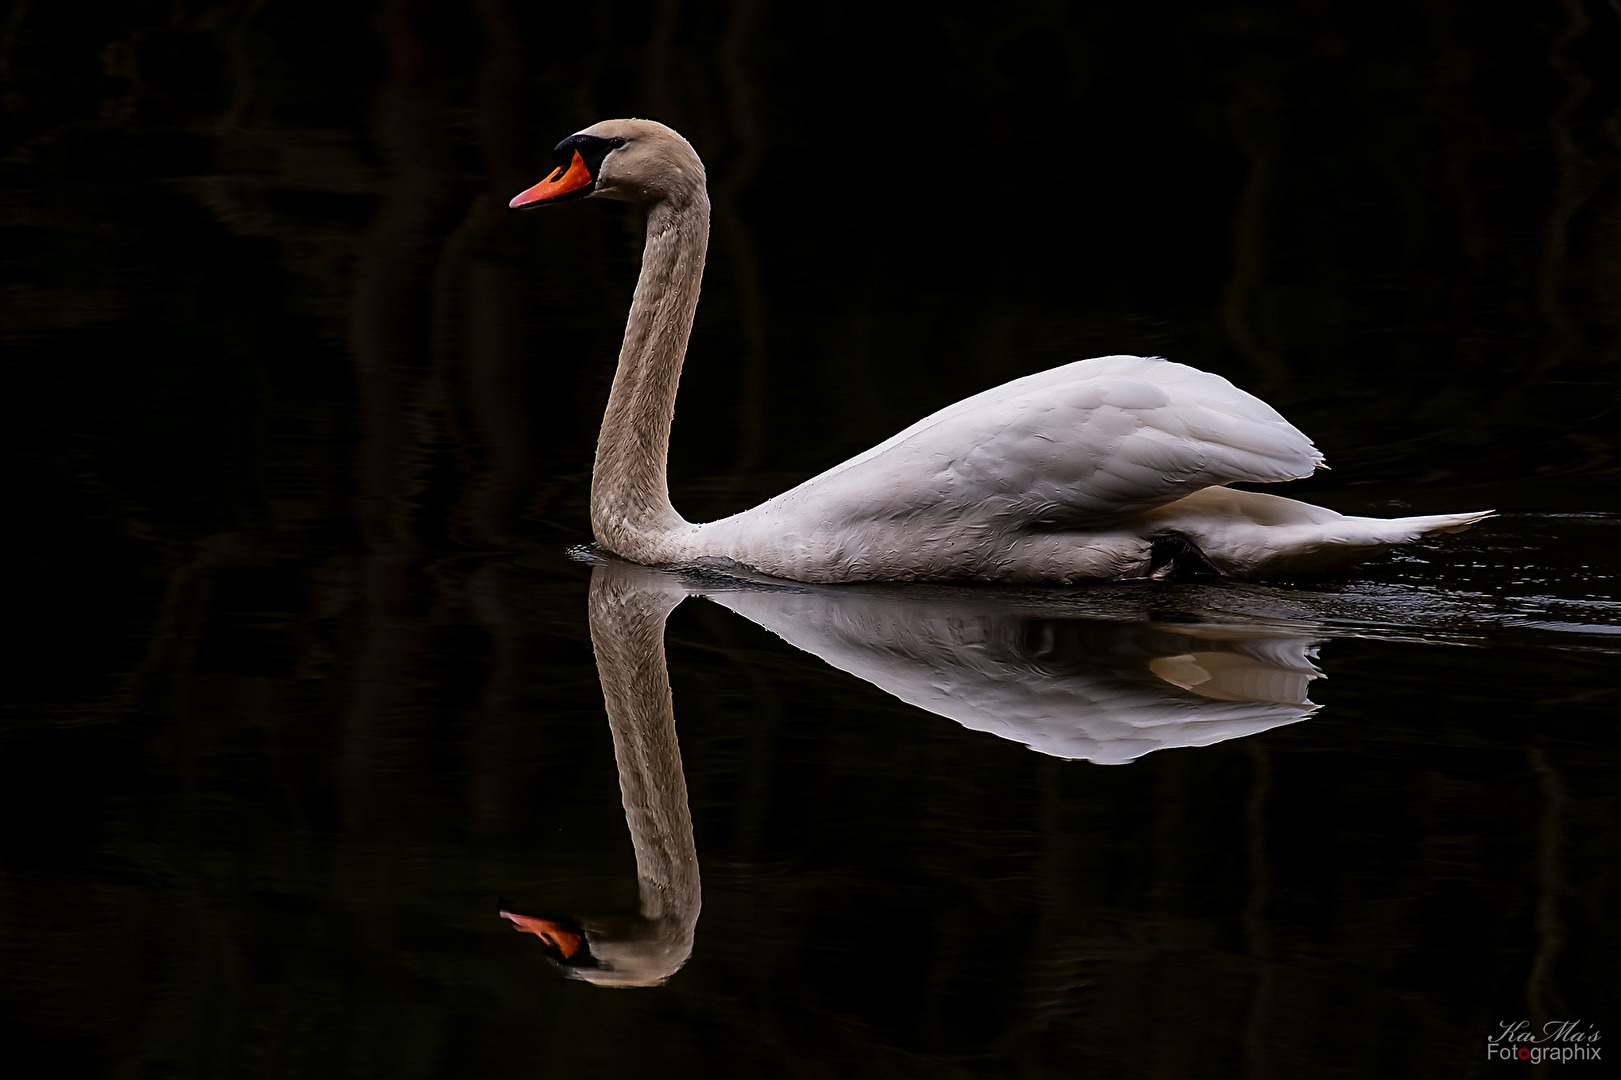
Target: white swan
{"x": 1104, "y": 469}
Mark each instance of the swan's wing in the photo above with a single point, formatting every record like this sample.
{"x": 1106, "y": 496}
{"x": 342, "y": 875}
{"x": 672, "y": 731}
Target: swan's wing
{"x": 1080, "y": 445}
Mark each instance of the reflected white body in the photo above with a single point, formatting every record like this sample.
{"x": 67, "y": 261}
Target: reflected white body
{"x": 1047, "y": 676}
{"x": 1067, "y": 475}
{"x": 1106, "y": 692}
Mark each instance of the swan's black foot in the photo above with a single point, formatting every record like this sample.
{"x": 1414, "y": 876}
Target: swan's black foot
{"x": 1172, "y": 557}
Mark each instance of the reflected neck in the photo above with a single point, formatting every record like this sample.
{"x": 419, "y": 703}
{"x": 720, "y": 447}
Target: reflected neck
{"x": 631, "y": 513}
{"x": 628, "y": 608}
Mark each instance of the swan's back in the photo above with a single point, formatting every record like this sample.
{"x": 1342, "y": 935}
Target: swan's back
{"x": 1092, "y": 442}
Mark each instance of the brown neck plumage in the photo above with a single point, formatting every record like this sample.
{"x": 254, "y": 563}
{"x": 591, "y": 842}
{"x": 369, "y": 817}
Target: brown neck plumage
{"x": 630, "y": 493}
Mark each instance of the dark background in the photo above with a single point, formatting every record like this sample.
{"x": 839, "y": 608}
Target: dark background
{"x": 299, "y": 421}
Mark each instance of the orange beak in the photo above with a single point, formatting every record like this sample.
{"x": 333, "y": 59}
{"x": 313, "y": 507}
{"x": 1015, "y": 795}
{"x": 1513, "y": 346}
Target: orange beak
{"x": 554, "y": 934}
{"x": 563, "y": 180}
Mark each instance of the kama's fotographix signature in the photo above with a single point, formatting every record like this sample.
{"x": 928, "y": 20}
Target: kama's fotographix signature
{"x": 1555, "y": 1040}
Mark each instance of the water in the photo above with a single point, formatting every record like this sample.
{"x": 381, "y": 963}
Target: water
{"x": 306, "y": 686}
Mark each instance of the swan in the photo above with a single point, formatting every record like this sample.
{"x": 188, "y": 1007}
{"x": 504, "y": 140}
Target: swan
{"x": 1113, "y": 468}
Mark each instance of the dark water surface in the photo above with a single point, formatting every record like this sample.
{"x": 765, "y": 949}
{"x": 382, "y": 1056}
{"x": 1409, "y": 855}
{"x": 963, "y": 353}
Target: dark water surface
{"x": 310, "y": 678}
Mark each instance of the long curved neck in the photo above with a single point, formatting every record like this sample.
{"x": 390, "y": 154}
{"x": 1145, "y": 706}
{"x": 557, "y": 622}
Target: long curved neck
{"x": 631, "y": 513}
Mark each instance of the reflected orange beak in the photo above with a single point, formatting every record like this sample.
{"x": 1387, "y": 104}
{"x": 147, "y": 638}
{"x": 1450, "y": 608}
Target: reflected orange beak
{"x": 554, "y": 934}
{"x": 563, "y": 180}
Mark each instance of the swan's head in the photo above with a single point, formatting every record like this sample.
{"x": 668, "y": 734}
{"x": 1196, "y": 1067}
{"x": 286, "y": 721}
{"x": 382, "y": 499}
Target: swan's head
{"x": 639, "y": 161}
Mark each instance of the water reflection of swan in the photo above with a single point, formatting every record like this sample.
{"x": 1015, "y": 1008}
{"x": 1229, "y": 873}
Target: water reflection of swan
{"x": 1109, "y": 468}
{"x": 1026, "y": 669}
{"x": 628, "y": 606}
{"x": 1069, "y": 686}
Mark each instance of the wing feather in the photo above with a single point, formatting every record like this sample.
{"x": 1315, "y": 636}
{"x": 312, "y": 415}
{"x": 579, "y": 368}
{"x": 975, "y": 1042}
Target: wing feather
{"x": 1083, "y": 444}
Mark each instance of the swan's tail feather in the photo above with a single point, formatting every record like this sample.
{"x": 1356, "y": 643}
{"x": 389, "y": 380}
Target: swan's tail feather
{"x": 1442, "y": 523}
{"x": 1354, "y": 539}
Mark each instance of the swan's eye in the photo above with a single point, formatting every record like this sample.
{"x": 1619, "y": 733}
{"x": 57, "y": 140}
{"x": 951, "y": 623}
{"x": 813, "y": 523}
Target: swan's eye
{"x": 591, "y": 148}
